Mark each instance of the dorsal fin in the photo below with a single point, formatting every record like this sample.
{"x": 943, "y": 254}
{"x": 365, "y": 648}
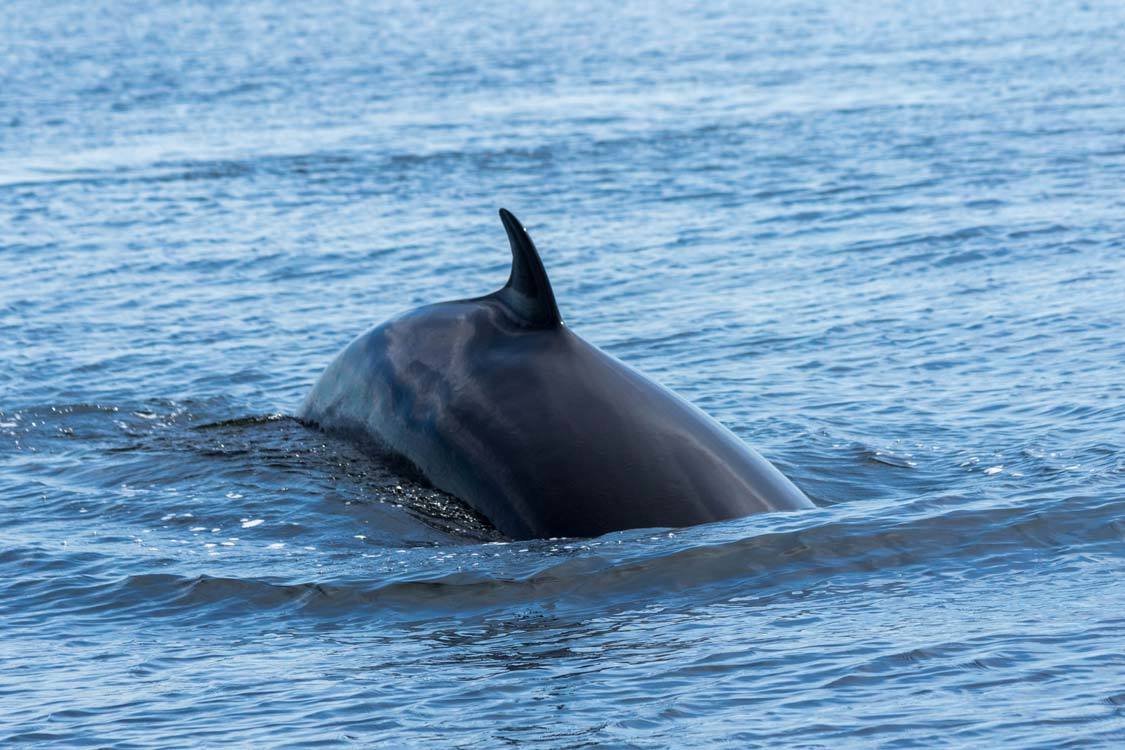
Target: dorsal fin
{"x": 528, "y": 291}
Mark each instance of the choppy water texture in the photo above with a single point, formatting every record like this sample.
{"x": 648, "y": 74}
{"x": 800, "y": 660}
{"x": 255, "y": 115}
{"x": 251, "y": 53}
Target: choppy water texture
{"x": 882, "y": 242}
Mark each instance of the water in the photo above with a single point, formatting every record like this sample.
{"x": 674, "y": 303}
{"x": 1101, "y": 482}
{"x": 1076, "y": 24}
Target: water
{"x": 882, "y": 242}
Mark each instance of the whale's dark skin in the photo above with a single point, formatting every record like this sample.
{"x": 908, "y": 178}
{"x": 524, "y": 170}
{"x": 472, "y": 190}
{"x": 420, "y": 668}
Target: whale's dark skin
{"x": 497, "y": 402}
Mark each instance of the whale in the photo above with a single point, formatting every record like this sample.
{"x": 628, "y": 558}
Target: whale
{"x": 496, "y": 401}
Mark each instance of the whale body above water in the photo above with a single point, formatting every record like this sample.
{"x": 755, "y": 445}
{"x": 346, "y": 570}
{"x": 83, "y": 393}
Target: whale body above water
{"x": 496, "y": 401}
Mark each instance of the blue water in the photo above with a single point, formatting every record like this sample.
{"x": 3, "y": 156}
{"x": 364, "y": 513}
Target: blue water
{"x": 883, "y": 242}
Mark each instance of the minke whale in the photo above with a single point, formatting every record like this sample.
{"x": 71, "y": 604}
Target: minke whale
{"x": 496, "y": 401}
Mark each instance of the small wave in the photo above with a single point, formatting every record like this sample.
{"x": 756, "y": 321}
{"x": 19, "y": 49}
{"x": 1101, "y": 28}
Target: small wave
{"x": 760, "y": 556}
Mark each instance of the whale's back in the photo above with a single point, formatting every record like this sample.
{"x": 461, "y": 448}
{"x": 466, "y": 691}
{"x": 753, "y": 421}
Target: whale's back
{"x": 538, "y": 430}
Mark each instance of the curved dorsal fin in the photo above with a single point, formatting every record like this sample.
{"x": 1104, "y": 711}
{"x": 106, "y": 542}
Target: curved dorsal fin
{"x": 528, "y": 291}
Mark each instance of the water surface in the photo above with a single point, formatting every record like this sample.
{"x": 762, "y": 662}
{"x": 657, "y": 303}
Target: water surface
{"x": 881, "y": 242}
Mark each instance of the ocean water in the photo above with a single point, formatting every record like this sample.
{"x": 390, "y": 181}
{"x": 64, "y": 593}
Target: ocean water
{"x": 883, "y": 242}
